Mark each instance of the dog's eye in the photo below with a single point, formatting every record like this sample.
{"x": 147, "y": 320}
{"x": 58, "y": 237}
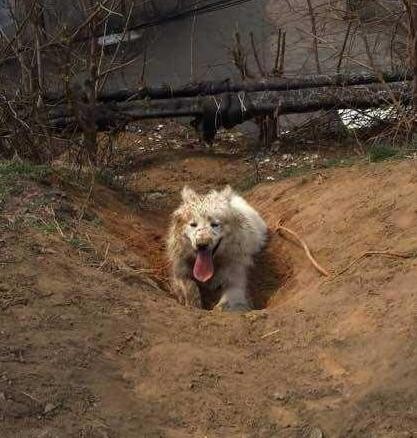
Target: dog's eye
{"x": 193, "y": 224}
{"x": 215, "y": 225}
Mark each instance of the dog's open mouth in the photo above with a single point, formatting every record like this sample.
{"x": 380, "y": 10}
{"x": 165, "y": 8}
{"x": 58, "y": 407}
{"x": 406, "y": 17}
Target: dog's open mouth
{"x": 203, "y": 266}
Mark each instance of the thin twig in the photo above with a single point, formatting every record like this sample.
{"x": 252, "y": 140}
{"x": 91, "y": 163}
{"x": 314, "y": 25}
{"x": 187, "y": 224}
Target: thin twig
{"x": 240, "y": 58}
{"x": 266, "y": 335}
{"x": 342, "y": 50}
{"x": 256, "y": 56}
{"x": 391, "y": 254}
{"x": 101, "y": 57}
{"x": 19, "y": 27}
{"x": 192, "y": 49}
{"x": 88, "y": 20}
{"x": 105, "y": 256}
{"x": 377, "y": 71}
{"x": 87, "y": 199}
{"x": 116, "y": 52}
{"x": 334, "y": 48}
{"x": 37, "y": 22}
{"x": 56, "y": 224}
{"x": 282, "y": 55}
{"x": 306, "y": 249}
{"x": 314, "y": 31}
{"x": 31, "y": 397}
{"x": 276, "y": 64}
{"x": 117, "y": 67}
{"x": 144, "y": 64}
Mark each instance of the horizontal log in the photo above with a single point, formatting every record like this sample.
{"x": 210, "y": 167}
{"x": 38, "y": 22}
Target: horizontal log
{"x": 226, "y": 86}
{"x": 361, "y": 97}
{"x": 229, "y": 113}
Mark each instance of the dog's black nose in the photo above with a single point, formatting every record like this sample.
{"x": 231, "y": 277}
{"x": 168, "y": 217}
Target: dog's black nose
{"x": 202, "y": 247}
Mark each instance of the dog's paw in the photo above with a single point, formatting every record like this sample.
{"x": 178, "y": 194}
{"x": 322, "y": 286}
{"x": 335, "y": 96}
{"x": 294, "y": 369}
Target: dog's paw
{"x": 193, "y": 300}
{"x": 194, "y": 304}
{"x": 229, "y": 306}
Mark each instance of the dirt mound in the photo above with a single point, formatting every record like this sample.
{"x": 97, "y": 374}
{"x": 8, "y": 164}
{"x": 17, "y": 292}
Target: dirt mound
{"x": 91, "y": 345}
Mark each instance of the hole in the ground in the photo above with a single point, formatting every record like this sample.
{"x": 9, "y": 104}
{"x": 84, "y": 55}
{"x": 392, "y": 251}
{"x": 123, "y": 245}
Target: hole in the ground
{"x": 266, "y": 277}
{"x": 146, "y": 240}
{"x": 141, "y": 238}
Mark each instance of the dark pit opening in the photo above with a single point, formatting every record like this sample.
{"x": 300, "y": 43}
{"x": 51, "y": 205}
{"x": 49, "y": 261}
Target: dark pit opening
{"x": 266, "y": 277}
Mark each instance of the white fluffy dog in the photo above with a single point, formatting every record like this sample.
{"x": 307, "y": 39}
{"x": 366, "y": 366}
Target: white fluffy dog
{"x": 211, "y": 244}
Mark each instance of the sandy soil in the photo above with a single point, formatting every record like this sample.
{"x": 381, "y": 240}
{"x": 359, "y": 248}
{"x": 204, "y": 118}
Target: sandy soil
{"x": 92, "y": 345}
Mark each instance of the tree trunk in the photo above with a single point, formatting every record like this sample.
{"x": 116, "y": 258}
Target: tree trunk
{"x": 112, "y": 116}
{"x": 226, "y": 86}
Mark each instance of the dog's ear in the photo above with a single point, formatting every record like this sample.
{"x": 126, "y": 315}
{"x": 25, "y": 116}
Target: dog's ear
{"x": 227, "y": 192}
{"x": 188, "y": 194}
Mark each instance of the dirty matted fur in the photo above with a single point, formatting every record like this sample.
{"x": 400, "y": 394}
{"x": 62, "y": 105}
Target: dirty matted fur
{"x": 211, "y": 244}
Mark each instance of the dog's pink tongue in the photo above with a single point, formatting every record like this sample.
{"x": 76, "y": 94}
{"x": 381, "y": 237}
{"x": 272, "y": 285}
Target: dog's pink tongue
{"x": 203, "y": 266}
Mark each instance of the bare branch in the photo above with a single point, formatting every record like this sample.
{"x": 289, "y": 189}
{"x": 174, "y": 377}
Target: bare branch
{"x": 315, "y": 35}
{"x": 255, "y": 54}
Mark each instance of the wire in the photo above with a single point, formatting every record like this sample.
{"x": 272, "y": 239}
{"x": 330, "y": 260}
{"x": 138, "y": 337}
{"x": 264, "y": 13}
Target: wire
{"x": 191, "y": 12}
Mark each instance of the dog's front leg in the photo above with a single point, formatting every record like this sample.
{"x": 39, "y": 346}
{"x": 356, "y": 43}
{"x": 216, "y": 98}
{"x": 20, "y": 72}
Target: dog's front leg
{"x": 234, "y": 296}
{"x": 188, "y": 292}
